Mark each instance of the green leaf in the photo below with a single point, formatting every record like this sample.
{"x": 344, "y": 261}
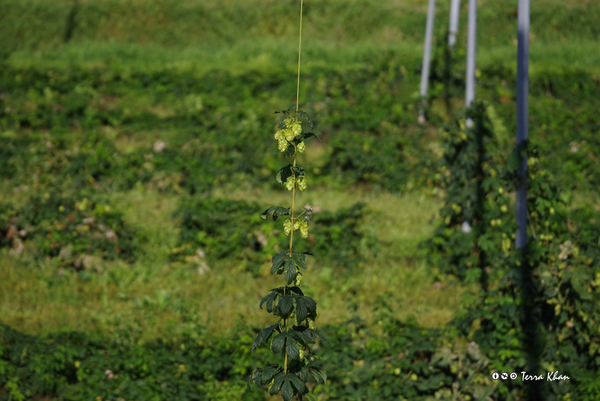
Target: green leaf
{"x": 297, "y": 290}
{"x": 286, "y": 304}
{"x": 277, "y": 383}
{"x": 285, "y": 111}
{"x": 278, "y": 260}
{"x": 303, "y": 374}
{"x": 303, "y": 114}
{"x": 276, "y": 211}
{"x": 263, "y": 335}
{"x": 269, "y": 372}
{"x": 306, "y": 135}
{"x": 299, "y": 336}
{"x": 299, "y": 260}
{"x": 319, "y": 374}
{"x": 267, "y": 297}
{"x": 283, "y": 174}
{"x": 312, "y": 334}
{"x": 292, "y": 350}
{"x": 304, "y": 305}
{"x": 297, "y": 383}
{"x": 290, "y": 271}
{"x": 286, "y": 391}
{"x": 278, "y": 342}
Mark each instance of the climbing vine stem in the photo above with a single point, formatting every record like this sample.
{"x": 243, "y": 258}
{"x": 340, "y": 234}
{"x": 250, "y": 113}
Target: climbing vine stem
{"x": 295, "y": 329}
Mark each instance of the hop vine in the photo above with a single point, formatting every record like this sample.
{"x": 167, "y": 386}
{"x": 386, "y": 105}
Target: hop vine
{"x": 296, "y": 313}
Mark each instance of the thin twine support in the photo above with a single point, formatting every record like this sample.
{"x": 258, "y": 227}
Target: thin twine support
{"x": 299, "y": 50}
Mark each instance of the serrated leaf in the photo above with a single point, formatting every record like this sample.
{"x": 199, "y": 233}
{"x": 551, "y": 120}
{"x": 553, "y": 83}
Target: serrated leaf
{"x": 319, "y": 374}
{"x": 290, "y": 272}
{"x": 297, "y": 383}
{"x": 292, "y": 349}
{"x": 303, "y": 114}
{"x": 277, "y": 383}
{"x": 278, "y": 260}
{"x": 304, "y": 305}
{"x": 303, "y": 374}
{"x": 286, "y": 391}
{"x": 297, "y": 290}
{"x": 299, "y": 336}
{"x": 278, "y": 342}
{"x": 312, "y": 334}
{"x": 283, "y": 174}
{"x": 286, "y": 304}
{"x": 299, "y": 260}
{"x": 285, "y": 111}
{"x": 263, "y": 335}
{"x": 276, "y": 212}
{"x": 269, "y": 372}
{"x": 266, "y": 299}
{"x": 306, "y": 135}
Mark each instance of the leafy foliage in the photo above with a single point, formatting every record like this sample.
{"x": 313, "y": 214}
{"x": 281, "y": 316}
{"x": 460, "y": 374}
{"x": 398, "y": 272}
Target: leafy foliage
{"x": 70, "y": 229}
{"x": 477, "y": 214}
{"x": 215, "y": 229}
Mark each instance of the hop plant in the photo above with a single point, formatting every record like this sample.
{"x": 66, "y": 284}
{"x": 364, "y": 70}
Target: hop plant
{"x": 302, "y": 183}
{"x": 295, "y": 329}
{"x": 304, "y": 229}
{"x": 289, "y": 184}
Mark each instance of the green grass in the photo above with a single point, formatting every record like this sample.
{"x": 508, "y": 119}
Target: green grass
{"x": 149, "y": 295}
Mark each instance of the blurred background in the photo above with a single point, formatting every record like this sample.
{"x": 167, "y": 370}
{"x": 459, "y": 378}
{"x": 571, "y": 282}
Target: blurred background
{"x": 137, "y": 155}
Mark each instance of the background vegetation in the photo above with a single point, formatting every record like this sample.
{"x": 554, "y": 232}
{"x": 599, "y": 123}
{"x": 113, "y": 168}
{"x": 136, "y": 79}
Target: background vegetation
{"x": 137, "y": 155}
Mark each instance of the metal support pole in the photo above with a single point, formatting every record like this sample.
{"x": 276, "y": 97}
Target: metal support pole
{"x": 522, "y": 113}
{"x": 426, "y": 59}
{"x": 454, "y": 15}
{"x": 471, "y": 53}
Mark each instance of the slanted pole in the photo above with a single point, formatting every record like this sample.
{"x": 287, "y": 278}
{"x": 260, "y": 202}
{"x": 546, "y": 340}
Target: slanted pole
{"x": 426, "y": 59}
{"x": 454, "y": 15}
{"x": 471, "y": 52}
{"x": 522, "y": 113}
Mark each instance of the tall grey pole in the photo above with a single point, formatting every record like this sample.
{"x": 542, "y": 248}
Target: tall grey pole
{"x": 471, "y": 49}
{"x": 454, "y": 14}
{"x": 426, "y": 59}
{"x": 522, "y": 113}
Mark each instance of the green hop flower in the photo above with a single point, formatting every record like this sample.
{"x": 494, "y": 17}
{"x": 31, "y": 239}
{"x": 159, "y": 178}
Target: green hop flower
{"x": 298, "y": 279}
{"x": 289, "y": 183}
{"x": 304, "y": 229}
{"x": 301, "y": 354}
{"x": 296, "y": 129}
{"x": 289, "y": 135}
{"x": 296, "y": 225}
{"x": 301, "y": 147}
{"x": 311, "y": 324}
{"x": 287, "y": 227}
{"x": 283, "y": 145}
{"x": 302, "y": 183}
{"x": 279, "y": 135}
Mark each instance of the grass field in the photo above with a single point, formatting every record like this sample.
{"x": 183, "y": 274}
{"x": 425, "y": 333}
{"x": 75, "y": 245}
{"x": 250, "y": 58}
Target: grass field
{"x": 206, "y": 76}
